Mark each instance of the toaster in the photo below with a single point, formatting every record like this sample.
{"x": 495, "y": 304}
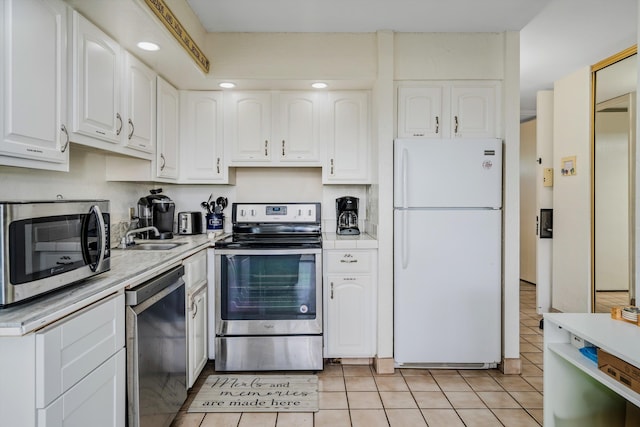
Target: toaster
{"x": 190, "y": 223}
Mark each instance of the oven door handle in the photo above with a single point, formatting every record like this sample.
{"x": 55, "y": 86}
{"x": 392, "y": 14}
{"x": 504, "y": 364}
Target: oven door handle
{"x": 102, "y": 233}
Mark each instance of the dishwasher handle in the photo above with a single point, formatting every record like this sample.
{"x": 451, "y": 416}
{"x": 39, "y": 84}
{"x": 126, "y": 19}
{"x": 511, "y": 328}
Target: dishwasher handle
{"x": 143, "y": 292}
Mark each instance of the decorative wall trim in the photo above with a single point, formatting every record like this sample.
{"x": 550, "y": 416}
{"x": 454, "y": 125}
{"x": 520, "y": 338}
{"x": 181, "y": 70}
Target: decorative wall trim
{"x": 174, "y": 26}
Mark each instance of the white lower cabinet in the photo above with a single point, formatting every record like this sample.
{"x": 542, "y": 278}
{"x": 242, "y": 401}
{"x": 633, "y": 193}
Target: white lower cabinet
{"x": 195, "y": 277}
{"x": 197, "y": 334}
{"x": 97, "y": 400}
{"x": 350, "y": 299}
{"x": 70, "y": 373}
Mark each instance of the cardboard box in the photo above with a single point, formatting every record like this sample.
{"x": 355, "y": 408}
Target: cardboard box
{"x": 620, "y": 370}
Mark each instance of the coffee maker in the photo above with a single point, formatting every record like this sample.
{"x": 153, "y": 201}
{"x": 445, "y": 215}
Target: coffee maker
{"x": 347, "y": 215}
{"x": 156, "y": 210}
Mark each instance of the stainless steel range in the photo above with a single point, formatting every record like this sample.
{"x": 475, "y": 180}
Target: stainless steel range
{"x": 269, "y": 289}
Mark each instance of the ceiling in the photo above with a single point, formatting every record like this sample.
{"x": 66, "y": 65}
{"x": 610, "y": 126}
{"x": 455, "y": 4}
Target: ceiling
{"x": 557, "y": 36}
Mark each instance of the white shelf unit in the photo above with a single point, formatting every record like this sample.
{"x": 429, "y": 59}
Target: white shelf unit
{"x": 576, "y": 392}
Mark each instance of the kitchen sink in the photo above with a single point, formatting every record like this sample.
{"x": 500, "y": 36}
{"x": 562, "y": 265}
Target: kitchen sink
{"x": 153, "y": 246}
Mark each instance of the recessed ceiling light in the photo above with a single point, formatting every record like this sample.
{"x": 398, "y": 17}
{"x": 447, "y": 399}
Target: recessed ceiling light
{"x": 150, "y": 46}
{"x": 227, "y": 85}
{"x": 319, "y": 85}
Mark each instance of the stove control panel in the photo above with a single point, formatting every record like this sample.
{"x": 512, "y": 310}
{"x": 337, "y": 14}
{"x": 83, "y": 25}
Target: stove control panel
{"x": 276, "y": 212}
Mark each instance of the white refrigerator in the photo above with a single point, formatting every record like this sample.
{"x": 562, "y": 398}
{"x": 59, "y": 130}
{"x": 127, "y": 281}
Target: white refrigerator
{"x": 447, "y": 252}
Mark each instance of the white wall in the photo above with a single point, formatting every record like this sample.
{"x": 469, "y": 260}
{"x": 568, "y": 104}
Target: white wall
{"x": 544, "y": 197}
{"x": 572, "y": 194}
{"x": 528, "y": 210}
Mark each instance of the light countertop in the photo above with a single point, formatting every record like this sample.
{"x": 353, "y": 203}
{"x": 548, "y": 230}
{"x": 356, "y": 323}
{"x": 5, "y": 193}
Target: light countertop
{"x": 128, "y": 268}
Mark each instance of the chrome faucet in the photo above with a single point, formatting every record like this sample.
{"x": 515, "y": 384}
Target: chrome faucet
{"x": 128, "y": 239}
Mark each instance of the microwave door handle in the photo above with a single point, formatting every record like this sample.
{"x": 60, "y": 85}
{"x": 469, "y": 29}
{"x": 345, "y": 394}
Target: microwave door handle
{"x": 95, "y": 210}
{"x": 103, "y": 236}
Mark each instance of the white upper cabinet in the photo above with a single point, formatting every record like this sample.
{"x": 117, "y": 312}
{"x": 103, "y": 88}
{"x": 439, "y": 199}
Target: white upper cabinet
{"x": 201, "y": 138}
{"x": 297, "y": 125}
{"x": 140, "y": 105}
{"x": 348, "y": 142}
{"x": 168, "y": 104}
{"x": 265, "y": 128}
{"x": 420, "y": 111}
{"x": 457, "y": 109}
{"x": 33, "y": 72}
{"x": 113, "y": 101}
{"x": 249, "y": 127}
{"x": 96, "y": 72}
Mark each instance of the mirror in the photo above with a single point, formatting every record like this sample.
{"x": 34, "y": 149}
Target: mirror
{"x": 613, "y": 166}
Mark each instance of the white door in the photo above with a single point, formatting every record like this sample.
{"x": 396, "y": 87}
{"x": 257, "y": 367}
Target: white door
{"x": 34, "y": 68}
{"x": 350, "y": 317}
{"x": 167, "y": 132}
{"x": 447, "y": 173}
{"x": 447, "y": 286}
{"x": 96, "y": 78}
{"x": 249, "y": 126}
{"x": 140, "y": 103}
{"x": 420, "y": 112}
{"x": 201, "y": 142}
{"x": 348, "y": 141}
{"x": 197, "y": 312}
{"x": 473, "y": 111}
{"x": 298, "y": 127}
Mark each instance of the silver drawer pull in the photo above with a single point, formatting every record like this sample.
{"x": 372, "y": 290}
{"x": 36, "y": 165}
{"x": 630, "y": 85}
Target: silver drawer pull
{"x": 348, "y": 261}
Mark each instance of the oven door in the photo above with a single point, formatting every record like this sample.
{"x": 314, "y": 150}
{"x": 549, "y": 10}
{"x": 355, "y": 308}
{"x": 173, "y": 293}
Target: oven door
{"x": 268, "y": 291}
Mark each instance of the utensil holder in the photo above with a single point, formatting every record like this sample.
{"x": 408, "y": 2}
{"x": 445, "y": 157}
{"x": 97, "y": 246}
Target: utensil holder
{"x": 215, "y": 223}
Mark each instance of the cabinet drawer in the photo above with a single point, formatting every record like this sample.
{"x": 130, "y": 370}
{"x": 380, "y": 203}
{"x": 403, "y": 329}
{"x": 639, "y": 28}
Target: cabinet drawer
{"x": 69, "y": 350}
{"x": 195, "y": 269}
{"x": 98, "y": 399}
{"x": 352, "y": 261}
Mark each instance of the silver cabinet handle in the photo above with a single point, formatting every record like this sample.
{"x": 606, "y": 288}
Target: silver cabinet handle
{"x": 164, "y": 162}
{"x": 455, "y": 119}
{"x": 132, "y": 127}
{"x": 331, "y": 172}
{"x": 266, "y": 148}
{"x": 437, "y": 124}
{"x": 331, "y": 290}
{"x": 63, "y": 128}
{"x": 120, "y": 120}
{"x": 218, "y": 165}
{"x": 194, "y": 308}
{"x": 283, "y": 154}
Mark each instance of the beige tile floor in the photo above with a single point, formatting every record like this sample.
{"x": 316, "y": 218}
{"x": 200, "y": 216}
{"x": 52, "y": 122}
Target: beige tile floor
{"x": 357, "y": 396}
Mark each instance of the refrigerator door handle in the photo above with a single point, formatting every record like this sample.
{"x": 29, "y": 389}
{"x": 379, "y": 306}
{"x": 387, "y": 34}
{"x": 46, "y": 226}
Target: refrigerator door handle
{"x": 405, "y": 166}
{"x": 404, "y": 256}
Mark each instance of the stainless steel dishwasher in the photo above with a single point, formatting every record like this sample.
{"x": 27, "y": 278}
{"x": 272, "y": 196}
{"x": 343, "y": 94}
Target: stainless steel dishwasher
{"x": 156, "y": 350}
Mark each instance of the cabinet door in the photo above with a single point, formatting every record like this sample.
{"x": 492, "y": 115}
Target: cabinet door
{"x": 167, "y": 131}
{"x": 70, "y": 350}
{"x": 96, "y": 71}
{"x": 198, "y": 354}
{"x": 420, "y": 112}
{"x": 201, "y": 138}
{"x": 249, "y": 126}
{"x": 33, "y": 66}
{"x": 350, "y": 316}
{"x": 474, "y": 111}
{"x": 140, "y": 105}
{"x": 348, "y": 141}
{"x": 298, "y": 126}
{"x": 97, "y": 400}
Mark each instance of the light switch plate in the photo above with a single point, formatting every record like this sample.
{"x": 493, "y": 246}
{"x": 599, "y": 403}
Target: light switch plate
{"x": 547, "y": 177}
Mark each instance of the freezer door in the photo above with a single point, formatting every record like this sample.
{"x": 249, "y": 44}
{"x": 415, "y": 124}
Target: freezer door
{"x": 447, "y": 173}
{"x": 447, "y": 286}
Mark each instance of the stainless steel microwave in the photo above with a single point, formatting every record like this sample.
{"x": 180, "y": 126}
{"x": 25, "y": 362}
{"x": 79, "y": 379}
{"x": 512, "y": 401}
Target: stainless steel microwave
{"x": 46, "y": 245}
